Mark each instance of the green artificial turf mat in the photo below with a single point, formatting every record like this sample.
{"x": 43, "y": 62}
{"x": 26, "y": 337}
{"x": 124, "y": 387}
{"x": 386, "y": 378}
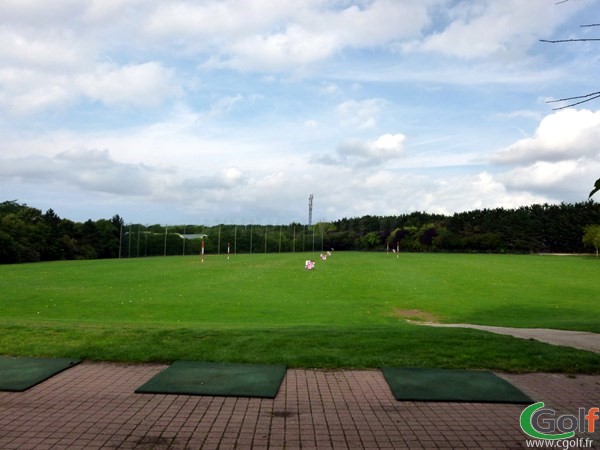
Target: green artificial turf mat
{"x": 220, "y": 379}
{"x": 19, "y": 374}
{"x": 445, "y": 385}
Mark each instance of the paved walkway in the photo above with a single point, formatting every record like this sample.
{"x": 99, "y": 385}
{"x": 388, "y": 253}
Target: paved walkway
{"x": 93, "y": 405}
{"x": 583, "y": 340}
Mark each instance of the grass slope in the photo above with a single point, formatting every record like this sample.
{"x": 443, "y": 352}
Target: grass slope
{"x": 268, "y": 309}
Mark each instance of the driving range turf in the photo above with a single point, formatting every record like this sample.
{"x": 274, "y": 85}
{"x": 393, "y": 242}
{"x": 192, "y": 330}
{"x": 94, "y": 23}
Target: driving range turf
{"x": 266, "y": 309}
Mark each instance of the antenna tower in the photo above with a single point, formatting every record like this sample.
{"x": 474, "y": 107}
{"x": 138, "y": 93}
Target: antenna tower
{"x": 310, "y": 200}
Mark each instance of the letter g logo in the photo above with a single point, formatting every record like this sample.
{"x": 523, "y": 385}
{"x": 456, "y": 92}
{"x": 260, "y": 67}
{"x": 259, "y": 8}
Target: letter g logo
{"x": 531, "y": 426}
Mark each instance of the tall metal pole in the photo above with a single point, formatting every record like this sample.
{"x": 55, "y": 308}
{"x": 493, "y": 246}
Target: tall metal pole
{"x": 138, "y": 242}
{"x": 303, "y": 237}
{"x": 166, "y": 227}
{"x": 129, "y": 242}
{"x": 219, "y": 242}
{"x": 310, "y": 207}
{"x": 322, "y": 238}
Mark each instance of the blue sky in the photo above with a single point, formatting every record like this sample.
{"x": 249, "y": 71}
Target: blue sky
{"x": 206, "y": 112}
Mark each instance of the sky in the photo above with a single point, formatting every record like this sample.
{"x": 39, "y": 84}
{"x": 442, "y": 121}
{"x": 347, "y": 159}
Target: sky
{"x": 235, "y": 111}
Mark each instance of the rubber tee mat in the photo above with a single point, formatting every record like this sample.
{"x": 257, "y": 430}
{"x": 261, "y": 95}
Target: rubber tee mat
{"x": 217, "y": 379}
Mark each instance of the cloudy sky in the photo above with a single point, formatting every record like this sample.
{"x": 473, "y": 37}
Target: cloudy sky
{"x": 234, "y": 111}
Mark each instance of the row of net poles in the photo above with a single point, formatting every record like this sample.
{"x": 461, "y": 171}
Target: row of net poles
{"x": 136, "y": 250}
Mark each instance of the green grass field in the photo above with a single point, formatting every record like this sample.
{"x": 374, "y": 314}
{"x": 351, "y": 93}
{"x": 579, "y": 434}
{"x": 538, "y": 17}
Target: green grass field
{"x": 267, "y": 308}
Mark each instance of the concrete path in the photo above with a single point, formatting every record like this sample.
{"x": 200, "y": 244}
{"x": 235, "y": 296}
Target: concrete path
{"x": 577, "y": 339}
{"x": 93, "y": 406}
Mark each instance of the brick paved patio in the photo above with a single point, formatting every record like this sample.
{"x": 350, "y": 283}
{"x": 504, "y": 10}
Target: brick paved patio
{"x": 93, "y": 405}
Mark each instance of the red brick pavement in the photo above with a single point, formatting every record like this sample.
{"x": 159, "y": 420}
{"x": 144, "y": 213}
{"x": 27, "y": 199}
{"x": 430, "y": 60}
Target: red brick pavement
{"x": 93, "y": 405}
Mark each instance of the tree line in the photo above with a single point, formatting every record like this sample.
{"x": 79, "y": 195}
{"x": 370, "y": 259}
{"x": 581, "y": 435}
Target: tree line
{"x": 27, "y": 234}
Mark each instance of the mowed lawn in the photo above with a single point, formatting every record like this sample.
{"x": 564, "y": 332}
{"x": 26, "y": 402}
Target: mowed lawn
{"x": 349, "y": 312}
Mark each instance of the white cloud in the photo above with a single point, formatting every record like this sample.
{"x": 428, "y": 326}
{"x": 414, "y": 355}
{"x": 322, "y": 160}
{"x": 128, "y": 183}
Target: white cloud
{"x": 41, "y": 50}
{"x": 218, "y": 21}
{"x": 38, "y": 12}
{"x": 102, "y": 11}
{"x": 88, "y": 170}
{"x": 361, "y": 154}
{"x": 565, "y": 134}
{"x": 330, "y": 88}
{"x": 560, "y": 161}
{"x": 224, "y": 180}
{"x": 560, "y": 179}
{"x": 491, "y": 28}
{"x": 276, "y": 52}
{"x": 521, "y": 114}
{"x": 143, "y": 85}
{"x": 360, "y": 114}
{"x": 381, "y": 22}
{"x": 24, "y": 91}
{"x": 261, "y": 35}
{"x": 224, "y": 105}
